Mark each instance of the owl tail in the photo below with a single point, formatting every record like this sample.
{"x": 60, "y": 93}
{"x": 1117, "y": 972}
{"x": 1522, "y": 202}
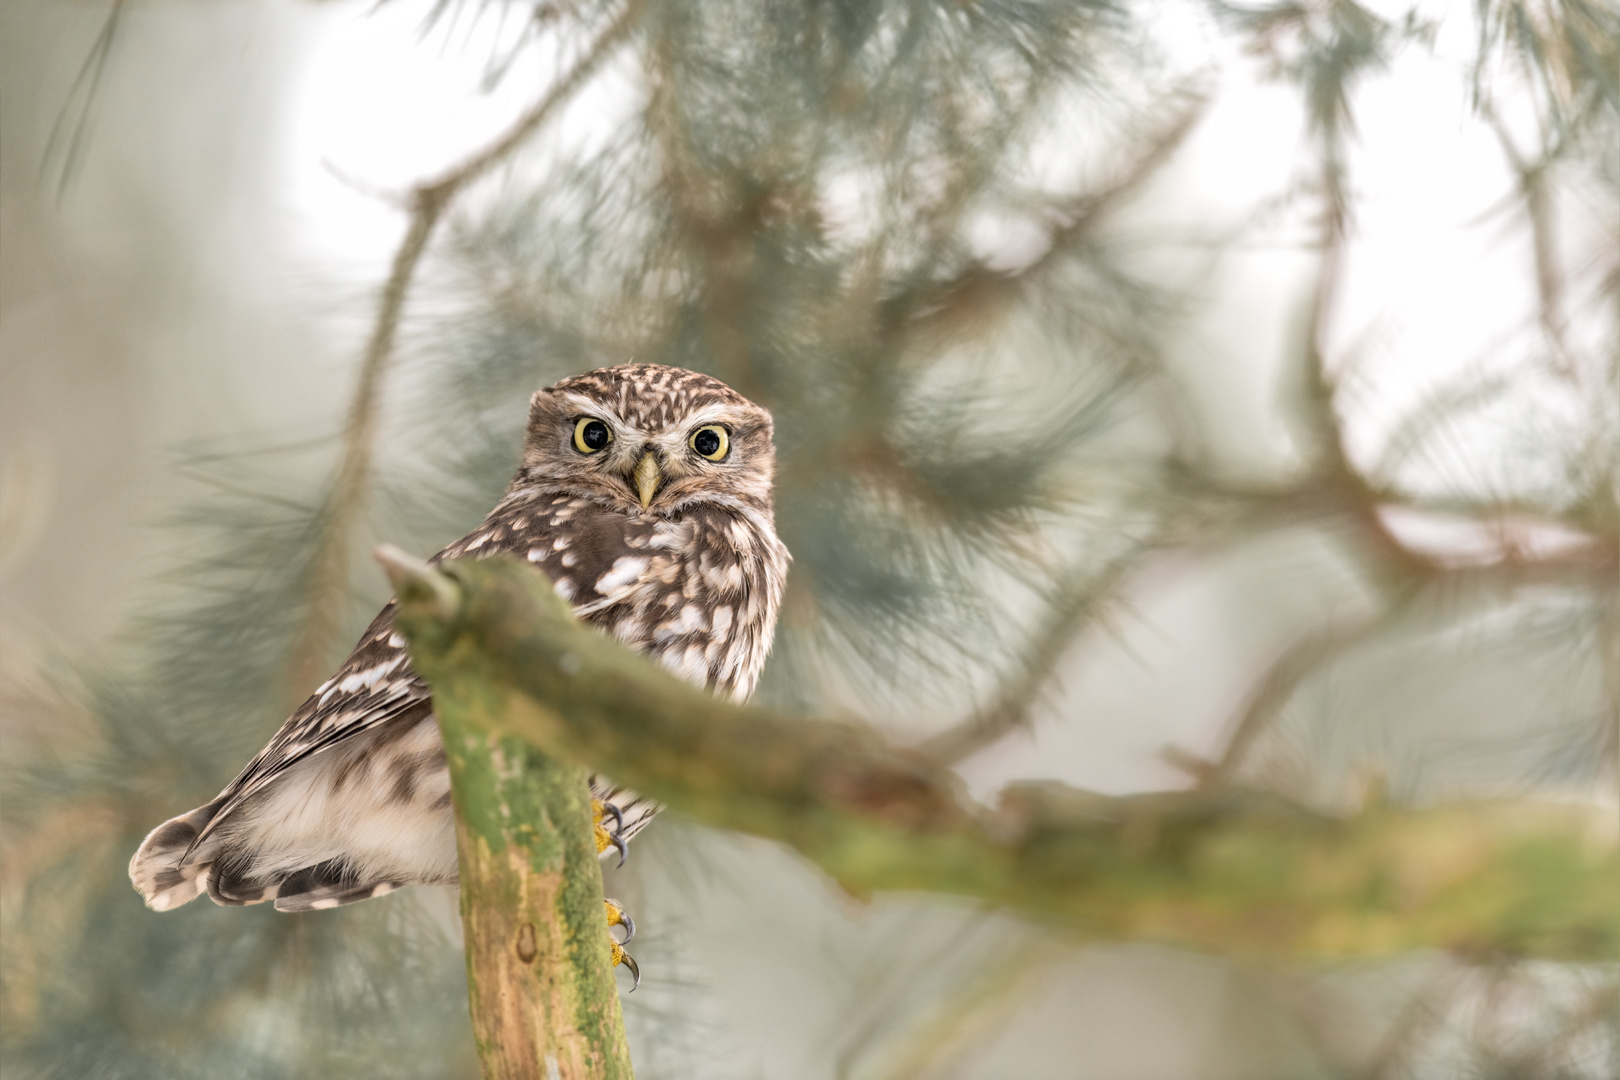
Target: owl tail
{"x": 159, "y": 870}
{"x": 170, "y": 868}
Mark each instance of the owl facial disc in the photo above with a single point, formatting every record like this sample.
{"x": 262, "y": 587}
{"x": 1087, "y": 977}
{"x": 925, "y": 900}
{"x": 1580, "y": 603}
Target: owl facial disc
{"x": 648, "y": 440}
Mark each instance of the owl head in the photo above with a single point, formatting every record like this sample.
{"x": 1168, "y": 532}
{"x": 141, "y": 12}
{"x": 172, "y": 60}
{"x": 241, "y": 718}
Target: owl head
{"x": 650, "y": 439}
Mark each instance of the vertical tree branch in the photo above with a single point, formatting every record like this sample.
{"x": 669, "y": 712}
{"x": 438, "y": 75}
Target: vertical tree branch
{"x": 329, "y": 576}
{"x": 540, "y": 983}
{"x": 1535, "y": 191}
{"x": 539, "y": 978}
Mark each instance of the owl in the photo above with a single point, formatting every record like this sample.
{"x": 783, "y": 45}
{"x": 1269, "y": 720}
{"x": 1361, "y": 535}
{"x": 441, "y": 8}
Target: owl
{"x": 645, "y": 496}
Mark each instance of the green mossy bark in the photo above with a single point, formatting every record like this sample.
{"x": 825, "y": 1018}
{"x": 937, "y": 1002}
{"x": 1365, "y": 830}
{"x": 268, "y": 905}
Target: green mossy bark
{"x": 545, "y": 1005}
{"x": 1224, "y": 871}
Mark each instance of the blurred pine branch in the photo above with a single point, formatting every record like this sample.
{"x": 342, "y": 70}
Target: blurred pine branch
{"x": 987, "y": 448}
{"x": 428, "y": 202}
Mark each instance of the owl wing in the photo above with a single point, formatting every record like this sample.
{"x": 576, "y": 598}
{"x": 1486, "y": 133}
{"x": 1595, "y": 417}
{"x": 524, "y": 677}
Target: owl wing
{"x": 596, "y": 560}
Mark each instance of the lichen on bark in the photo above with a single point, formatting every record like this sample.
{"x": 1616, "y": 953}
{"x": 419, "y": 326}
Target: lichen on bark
{"x": 541, "y": 986}
{"x": 1223, "y": 870}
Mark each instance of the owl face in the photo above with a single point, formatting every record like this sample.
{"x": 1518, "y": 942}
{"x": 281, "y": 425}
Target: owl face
{"x": 649, "y": 439}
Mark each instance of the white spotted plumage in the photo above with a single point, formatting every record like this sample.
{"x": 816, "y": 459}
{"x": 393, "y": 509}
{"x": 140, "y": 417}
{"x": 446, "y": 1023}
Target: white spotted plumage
{"x": 351, "y": 798}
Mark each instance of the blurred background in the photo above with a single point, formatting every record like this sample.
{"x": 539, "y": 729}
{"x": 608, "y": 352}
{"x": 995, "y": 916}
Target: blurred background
{"x": 1164, "y": 391}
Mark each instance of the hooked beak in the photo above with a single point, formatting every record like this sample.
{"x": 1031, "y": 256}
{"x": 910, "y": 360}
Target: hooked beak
{"x": 647, "y": 477}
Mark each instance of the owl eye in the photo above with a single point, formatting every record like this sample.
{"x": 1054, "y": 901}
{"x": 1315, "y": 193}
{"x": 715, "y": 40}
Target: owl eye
{"x": 711, "y": 441}
{"x": 591, "y": 435}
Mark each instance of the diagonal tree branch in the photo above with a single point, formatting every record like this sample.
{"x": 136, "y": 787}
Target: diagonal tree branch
{"x": 1285, "y": 676}
{"x": 1228, "y": 871}
{"x": 69, "y": 138}
{"x": 1076, "y": 602}
{"x": 939, "y": 309}
{"x": 427, "y": 203}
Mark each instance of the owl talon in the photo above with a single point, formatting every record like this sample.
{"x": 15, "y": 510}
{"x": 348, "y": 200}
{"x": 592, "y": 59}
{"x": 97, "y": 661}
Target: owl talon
{"x": 610, "y": 838}
{"x": 622, "y": 957}
{"x": 617, "y": 916}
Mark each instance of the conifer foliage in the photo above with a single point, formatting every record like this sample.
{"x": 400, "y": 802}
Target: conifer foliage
{"x": 937, "y": 240}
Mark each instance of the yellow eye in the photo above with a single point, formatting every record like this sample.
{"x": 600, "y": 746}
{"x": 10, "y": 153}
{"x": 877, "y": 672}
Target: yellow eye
{"x": 590, "y": 435}
{"x": 711, "y": 441}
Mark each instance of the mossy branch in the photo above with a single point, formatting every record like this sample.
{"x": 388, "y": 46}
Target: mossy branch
{"x": 540, "y": 981}
{"x": 1220, "y": 870}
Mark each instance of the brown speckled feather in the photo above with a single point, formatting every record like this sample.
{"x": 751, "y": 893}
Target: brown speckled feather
{"x": 350, "y": 798}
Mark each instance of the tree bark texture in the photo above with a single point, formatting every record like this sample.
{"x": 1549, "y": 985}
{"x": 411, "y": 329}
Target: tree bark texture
{"x": 1225, "y": 871}
{"x": 545, "y": 1004}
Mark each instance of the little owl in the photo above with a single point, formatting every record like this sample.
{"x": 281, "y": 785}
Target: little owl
{"x": 645, "y": 496}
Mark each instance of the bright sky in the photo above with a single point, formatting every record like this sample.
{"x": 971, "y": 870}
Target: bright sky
{"x": 383, "y": 104}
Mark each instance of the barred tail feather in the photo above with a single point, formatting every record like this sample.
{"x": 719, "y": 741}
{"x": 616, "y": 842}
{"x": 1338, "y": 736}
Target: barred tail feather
{"x": 331, "y": 895}
{"x": 323, "y": 885}
{"x": 307, "y": 843}
{"x": 159, "y": 869}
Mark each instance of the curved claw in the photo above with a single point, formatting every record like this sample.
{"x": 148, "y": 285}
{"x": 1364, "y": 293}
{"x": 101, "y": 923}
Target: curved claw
{"x": 617, "y": 916}
{"x": 610, "y": 838}
{"x": 622, "y": 957}
{"x": 635, "y": 972}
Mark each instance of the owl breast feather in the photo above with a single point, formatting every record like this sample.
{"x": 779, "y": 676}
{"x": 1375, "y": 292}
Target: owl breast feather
{"x": 697, "y": 592}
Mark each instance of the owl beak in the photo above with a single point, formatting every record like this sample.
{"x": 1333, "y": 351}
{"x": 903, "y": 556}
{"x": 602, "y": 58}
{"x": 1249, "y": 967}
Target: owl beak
{"x": 647, "y": 476}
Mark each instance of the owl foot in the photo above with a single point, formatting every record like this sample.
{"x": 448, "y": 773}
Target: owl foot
{"x": 609, "y": 836}
{"x": 606, "y": 837}
{"x": 617, "y": 916}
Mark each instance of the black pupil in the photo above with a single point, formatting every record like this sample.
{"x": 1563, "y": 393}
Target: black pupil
{"x": 595, "y": 435}
{"x": 707, "y": 442}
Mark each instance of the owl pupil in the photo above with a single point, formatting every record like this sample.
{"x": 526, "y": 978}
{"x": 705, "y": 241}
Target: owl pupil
{"x": 706, "y": 442}
{"x": 594, "y": 435}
